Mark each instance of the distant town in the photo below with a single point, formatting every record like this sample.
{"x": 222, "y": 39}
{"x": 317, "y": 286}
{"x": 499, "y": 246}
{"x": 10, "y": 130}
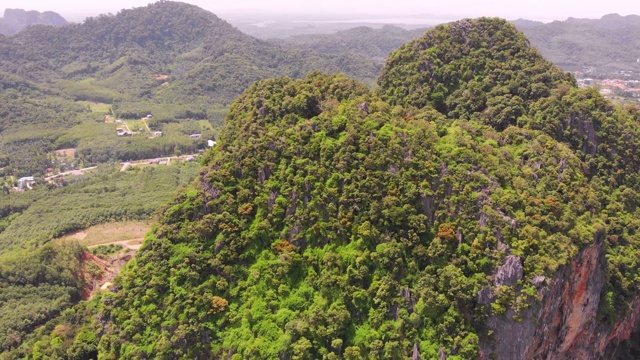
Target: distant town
{"x": 623, "y": 89}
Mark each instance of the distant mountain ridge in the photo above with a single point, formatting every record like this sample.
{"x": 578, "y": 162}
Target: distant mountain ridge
{"x": 15, "y": 20}
{"x": 601, "y": 47}
{"x": 361, "y": 40}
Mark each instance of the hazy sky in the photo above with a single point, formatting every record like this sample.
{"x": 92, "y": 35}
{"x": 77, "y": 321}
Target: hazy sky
{"x": 510, "y": 9}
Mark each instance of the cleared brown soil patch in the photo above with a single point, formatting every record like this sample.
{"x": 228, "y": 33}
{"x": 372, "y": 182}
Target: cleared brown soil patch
{"x": 109, "y": 269}
{"x": 111, "y": 233}
{"x": 160, "y": 76}
{"x": 80, "y": 235}
{"x": 68, "y": 153}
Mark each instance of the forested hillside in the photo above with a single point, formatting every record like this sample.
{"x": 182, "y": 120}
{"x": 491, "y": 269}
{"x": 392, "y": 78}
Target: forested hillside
{"x": 145, "y": 83}
{"x": 477, "y": 205}
{"x": 601, "y": 47}
{"x": 118, "y": 54}
{"x": 375, "y": 44}
{"x": 176, "y": 61}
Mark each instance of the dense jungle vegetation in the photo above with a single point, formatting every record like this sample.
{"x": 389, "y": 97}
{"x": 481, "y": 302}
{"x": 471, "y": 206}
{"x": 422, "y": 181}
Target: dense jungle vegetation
{"x": 337, "y": 222}
{"x": 63, "y": 89}
{"x": 332, "y": 220}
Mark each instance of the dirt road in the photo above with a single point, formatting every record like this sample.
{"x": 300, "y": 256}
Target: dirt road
{"x": 133, "y": 244}
{"x": 72, "y": 172}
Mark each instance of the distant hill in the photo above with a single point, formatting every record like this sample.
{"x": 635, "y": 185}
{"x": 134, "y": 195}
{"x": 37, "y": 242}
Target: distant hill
{"x": 15, "y": 20}
{"x": 600, "y": 47}
{"x": 202, "y": 55}
{"x": 362, "y": 40}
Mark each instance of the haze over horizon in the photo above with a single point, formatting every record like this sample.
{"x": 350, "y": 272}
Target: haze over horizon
{"x": 411, "y": 10}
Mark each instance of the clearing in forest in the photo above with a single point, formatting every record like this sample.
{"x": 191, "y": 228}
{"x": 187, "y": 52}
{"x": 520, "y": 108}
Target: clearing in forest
{"x": 96, "y": 107}
{"x": 127, "y": 231}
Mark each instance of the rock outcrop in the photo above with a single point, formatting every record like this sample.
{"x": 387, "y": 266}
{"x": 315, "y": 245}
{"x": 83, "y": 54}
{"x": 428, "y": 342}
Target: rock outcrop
{"x": 15, "y": 20}
{"x": 565, "y": 325}
{"x": 509, "y": 273}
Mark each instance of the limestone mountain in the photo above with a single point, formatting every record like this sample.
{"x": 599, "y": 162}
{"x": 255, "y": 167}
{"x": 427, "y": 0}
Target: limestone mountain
{"x": 485, "y": 70}
{"x": 14, "y": 20}
{"x": 337, "y": 222}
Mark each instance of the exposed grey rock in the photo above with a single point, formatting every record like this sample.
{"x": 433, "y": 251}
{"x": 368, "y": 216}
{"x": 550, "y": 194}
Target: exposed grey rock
{"x": 485, "y": 296}
{"x": 565, "y": 323}
{"x": 263, "y": 111}
{"x": 294, "y": 204}
{"x": 428, "y": 206}
{"x": 406, "y": 293}
{"x": 15, "y": 20}
{"x": 509, "y": 273}
{"x": 264, "y": 174}
{"x": 416, "y": 352}
{"x": 586, "y": 129}
{"x": 272, "y": 198}
{"x": 483, "y": 219}
{"x": 538, "y": 281}
{"x": 502, "y": 246}
{"x": 443, "y": 355}
{"x": 511, "y": 338}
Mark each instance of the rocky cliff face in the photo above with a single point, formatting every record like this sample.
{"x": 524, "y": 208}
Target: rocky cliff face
{"x": 566, "y": 324}
{"x": 15, "y": 20}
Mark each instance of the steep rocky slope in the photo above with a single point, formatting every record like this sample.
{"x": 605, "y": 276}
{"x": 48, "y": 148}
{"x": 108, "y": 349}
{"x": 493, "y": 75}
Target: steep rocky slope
{"x": 327, "y": 214}
{"x": 478, "y": 205}
{"x": 578, "y": 315}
